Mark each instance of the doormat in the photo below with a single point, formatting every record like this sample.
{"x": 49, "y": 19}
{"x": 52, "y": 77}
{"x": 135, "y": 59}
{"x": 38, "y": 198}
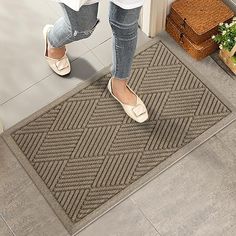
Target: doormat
{"x": 86, "y": 155}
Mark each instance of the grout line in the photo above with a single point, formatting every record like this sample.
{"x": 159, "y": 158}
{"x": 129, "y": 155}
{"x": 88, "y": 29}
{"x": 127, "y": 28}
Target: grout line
{"x": 26, "y": 89}
{"x": 52, "y": 73}
{"x": 89, "y": 50}
{"x": 7, "y": 224}
{"x": 225, "y": 145}
{"x": 98, "y": 58}
{"x": 99, "y": 43}
{"x": 144, "y": 215}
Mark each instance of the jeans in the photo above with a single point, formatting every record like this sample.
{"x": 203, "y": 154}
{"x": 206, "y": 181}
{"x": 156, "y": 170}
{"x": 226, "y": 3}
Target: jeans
{"x": 76, "y": 25}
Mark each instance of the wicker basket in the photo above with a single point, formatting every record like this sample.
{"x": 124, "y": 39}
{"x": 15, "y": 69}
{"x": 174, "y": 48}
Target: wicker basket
{"x": 198, "y": 51}
{"x": 199, "y": 19}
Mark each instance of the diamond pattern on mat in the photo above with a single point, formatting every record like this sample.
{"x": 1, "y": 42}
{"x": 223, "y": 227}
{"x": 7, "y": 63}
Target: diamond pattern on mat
{"x": 86, "y": 149}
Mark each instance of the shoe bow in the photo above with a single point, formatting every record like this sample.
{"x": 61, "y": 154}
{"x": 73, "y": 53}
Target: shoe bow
{"x": 139, "y": 109}
{"x": 62, "y": 63}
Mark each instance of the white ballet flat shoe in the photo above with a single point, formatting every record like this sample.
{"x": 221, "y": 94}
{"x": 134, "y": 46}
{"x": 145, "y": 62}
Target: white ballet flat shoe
{"x": 137, "y": 112}
{"x": 60, "y": 66}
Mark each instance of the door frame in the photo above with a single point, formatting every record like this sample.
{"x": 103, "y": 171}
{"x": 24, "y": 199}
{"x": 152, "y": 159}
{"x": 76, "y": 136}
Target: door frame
{"x": 153, "y": 17}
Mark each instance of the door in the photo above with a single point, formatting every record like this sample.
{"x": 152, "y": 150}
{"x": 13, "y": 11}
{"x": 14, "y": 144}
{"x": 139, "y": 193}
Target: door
{"x": 153, "y": 16}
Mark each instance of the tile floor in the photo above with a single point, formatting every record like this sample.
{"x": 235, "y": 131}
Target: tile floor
{"x": 195, "y": 197}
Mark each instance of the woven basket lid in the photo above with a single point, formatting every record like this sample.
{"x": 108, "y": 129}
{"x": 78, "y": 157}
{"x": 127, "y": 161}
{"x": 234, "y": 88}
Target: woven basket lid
{"x": 202, "y": 15}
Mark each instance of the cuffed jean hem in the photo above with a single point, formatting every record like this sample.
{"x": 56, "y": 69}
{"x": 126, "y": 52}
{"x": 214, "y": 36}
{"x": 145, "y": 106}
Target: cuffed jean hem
{"x": 116, "y": 77}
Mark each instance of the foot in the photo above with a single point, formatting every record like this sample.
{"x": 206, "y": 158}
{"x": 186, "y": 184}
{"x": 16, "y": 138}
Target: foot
{"x": 120, "y": 90}
{"x": 55, "y": 53}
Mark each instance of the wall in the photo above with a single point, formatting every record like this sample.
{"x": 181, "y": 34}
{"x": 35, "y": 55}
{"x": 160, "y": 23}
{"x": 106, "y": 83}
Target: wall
{"x": 168, "y": 5}
{"x": 231, "y": 4}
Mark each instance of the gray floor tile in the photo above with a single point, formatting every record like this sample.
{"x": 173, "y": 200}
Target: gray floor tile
{"x": 55, "y": 7}
{"x": 103, "y": 30}
{"x": 104, "y": 50}
{"x": 85, "y": 66}
{"x": 4, "y": 229}
{"x": 76, "y": 49}
{"x": 21, "y": 204}
{"x": 21, "y": 45}
{"x": 228, "y": 137}
{"x": 123, "y": 220}
{"x": 142, "y": 38}
{"x": 48, "y": 90}
{"x": 231, "y": 231}
{"x": 196, "y": 196}
{"x": 101, "y": 33}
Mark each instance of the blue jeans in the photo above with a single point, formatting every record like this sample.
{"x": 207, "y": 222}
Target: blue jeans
{"x": 76, "y": 25}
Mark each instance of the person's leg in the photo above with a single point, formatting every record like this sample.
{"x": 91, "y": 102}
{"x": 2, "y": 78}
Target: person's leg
{"x": 72, "y": 26}
{"x": 124, "y": 25}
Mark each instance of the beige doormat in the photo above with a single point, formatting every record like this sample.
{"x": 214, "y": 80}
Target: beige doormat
{"x": 86, "y": 155}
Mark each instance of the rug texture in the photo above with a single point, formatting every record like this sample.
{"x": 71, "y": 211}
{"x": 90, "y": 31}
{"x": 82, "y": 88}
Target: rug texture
{"x": 86, "y": 155}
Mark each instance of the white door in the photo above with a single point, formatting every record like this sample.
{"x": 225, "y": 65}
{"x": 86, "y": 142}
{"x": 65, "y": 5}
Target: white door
{"x": 153, "y": 16}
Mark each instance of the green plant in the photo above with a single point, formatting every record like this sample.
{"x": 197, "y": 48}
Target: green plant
{"x": 227, "y": 36}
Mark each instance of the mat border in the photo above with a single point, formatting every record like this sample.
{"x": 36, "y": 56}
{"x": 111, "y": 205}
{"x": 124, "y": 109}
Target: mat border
{"x": 125, "y": 193}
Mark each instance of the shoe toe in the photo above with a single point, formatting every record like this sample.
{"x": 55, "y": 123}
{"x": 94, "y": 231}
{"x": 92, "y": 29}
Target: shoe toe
{"x": 142, "y": 118}
{"x": 59, "y": 68}
{"x": 138, "y": 112}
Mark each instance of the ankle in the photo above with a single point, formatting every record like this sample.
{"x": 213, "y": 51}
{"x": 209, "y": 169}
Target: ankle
{"x": 56, "y": 53}
{"x": 122, "y": 80}
{"x": 118, "y": 83}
